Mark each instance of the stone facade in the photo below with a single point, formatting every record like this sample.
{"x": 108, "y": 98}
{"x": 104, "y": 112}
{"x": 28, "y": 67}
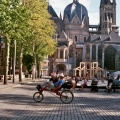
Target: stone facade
{"x": 78, "y": 41}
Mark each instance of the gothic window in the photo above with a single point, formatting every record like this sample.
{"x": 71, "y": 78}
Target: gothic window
{"x": 61, "y": 54}
{"x": 87, "y": 52}
{"x": 66, "y": 54}
{"x": 75, "y": 38}
{"x": 110, "y": 53}
{"x": 71, "y": 51}
{"x": 100, "y": 55}
{"x": 84, "y": 39}
{"x": 94, "y": 53}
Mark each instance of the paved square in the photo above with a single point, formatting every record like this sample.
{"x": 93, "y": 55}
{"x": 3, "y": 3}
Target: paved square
{"x": 16, "y": 103}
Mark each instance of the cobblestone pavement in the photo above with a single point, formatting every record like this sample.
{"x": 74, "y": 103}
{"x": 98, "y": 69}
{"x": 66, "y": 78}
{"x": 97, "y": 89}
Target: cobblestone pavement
{"x": 16, "y": 103}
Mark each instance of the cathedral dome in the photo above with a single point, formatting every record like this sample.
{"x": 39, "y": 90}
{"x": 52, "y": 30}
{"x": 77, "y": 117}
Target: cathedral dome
{"x": 76, "y": 8}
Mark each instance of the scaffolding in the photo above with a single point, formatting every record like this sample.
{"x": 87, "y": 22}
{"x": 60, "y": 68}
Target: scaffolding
{"x": 90, "y": 68}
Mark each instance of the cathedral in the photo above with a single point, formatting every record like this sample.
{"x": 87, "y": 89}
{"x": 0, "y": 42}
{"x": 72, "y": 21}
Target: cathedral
{"x": 79, "y": 42}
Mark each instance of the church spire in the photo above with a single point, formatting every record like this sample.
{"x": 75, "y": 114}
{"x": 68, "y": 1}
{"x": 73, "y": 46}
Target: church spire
{"x": 75, "y": 1}
{"x": 105, "y": 2}
{"x": 102, "y": 2}
{"x": 60, "y": 16}
{"x": 114, "y": 2}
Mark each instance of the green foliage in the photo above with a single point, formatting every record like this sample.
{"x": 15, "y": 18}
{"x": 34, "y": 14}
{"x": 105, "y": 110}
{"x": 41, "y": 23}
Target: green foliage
{"x": 30, "y": 25}
{"x": 7, "y": 23}
{"x": 42, "y": 29}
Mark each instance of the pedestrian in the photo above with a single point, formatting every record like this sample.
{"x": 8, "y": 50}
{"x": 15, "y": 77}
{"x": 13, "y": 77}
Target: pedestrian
{"x": 84, "y": 83}
{"x": 94, "y": 84}
{"x": 110, "y": 82}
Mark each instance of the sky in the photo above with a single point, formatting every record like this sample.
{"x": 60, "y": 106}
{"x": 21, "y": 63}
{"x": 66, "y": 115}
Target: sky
{"x": 91, "y": 5}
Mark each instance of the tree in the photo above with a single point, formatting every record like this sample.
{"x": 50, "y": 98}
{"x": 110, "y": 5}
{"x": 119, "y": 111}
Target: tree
{"x": 6, "y": 27}
{"x": 42, "y": 30}
{"x": 23, "y": 32}
{"x": 26, "y": 23}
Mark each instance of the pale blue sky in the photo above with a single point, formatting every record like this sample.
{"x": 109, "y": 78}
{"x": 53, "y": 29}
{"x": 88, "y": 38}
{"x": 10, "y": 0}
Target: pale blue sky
{"x": 91, "y": 5}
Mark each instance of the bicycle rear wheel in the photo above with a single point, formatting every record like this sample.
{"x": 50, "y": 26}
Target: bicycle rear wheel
{"x": 66, "y": 96}
{"x": 38, "y": 96}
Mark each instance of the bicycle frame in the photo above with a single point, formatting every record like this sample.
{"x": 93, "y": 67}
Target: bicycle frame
{"x": 66, "y": 96}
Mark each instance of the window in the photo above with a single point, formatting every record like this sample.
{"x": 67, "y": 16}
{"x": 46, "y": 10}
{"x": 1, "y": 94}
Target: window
{"x": 61, "y": 53}
{"x": 84, "y": 39}
{"x": 66, "y": 54}
{"x": 110, "y": 53}
{"x": 75, "y": 38}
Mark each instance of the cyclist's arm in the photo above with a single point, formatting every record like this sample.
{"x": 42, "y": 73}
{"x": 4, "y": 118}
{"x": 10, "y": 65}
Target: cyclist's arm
{"x": 57, "y": 89}
{"x": 58, "y": 85}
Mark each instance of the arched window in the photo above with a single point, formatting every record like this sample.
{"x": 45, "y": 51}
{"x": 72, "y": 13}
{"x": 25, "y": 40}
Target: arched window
{"x": 71, "y": 51}
{"x": 84, "y": 39}
{"x": 94, "y": 52}
{"x": 110, "y": 53}
{"x": 75, "y": 38}
{"x": 61, "y": 53}
{"x": 100, "y": 55}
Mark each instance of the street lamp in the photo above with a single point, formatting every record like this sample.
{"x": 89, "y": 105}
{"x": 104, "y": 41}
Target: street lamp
{"x": 14, "y": 61}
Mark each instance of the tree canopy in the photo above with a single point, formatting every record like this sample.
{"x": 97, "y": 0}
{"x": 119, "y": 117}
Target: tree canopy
{"x": 28, "y": 22}
{"x": 42, "y": 28}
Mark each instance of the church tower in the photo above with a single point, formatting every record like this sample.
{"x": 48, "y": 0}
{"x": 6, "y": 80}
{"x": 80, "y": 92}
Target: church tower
{"x": 76, "y": 21}
{"x": 107, "y": 15}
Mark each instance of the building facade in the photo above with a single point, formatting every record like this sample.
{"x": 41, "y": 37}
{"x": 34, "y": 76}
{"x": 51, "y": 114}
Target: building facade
{"x": 78, "y": 41}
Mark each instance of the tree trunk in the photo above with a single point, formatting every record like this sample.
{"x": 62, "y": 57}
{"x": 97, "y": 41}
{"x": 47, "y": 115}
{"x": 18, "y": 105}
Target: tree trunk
{"x": 39, "y": 69}
{"x": 34, "y": 69}
{"x": 20, "y": 64}
{"x": 7, "y": 47}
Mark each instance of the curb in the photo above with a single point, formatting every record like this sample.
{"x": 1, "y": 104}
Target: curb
{"x": 25, "y": 82}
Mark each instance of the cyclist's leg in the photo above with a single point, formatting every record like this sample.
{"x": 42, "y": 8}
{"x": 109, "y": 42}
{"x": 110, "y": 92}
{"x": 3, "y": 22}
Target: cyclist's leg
{"x": 47, "y": 85}
{"x": 57, "y": 91}
{"x": 43, "y": 84}
{"x": 41, "y": 87}
{"x": 50, "y": 85}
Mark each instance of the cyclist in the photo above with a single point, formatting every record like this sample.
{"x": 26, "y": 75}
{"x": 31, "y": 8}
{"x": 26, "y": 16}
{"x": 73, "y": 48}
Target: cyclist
{"x": 58, "y": 85}
{"x": 54, "y": 87}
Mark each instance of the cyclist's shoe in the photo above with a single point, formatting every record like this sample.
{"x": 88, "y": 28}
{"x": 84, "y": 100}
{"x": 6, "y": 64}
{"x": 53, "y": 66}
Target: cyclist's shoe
{"x": 39, "y": 87}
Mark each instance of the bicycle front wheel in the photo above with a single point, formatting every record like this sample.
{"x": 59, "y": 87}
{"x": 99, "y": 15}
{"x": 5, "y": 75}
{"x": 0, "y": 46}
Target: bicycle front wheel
{"x": 66, "y": 96}
{"x": 38, "y": 96}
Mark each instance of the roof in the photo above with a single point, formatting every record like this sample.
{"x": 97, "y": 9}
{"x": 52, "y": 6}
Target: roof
{"x": 76, "y": 8}
{"x": 111, "y": 38}
{"x": 61, "y": 43}
{"x": 63, "y": 35}
{"x": 51, "y": 11}
{"x": 105, "y": 2}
